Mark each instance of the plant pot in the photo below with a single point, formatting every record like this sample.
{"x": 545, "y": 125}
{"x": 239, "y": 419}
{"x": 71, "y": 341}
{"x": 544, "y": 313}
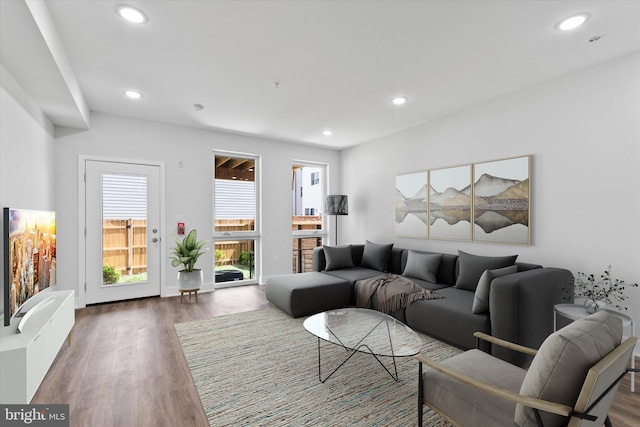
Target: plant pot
{"x": 189, "y": 280}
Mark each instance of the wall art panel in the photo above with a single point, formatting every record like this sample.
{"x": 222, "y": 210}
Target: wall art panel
{"x": 501, "y": 202}
{"x": 450, "y": 203}
{"x": 411, "y": 205}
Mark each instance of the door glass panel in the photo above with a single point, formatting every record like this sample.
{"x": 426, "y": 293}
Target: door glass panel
{"x": 124, "y": 229}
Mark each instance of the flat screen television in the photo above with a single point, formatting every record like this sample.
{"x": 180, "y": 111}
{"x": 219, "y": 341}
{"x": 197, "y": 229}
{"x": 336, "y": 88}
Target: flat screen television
{"x": 29, "y": 241}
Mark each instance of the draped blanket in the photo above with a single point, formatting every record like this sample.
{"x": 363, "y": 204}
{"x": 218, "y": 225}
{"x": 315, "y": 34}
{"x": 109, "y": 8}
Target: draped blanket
{"x": 393, "y": 292}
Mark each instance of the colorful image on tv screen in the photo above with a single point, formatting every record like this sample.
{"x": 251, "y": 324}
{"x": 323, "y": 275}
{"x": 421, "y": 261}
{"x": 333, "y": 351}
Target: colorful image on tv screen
{"x": 32, "y": 254}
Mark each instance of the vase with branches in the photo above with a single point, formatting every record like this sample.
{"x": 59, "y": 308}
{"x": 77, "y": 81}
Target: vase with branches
{"x": 598, "y": 292}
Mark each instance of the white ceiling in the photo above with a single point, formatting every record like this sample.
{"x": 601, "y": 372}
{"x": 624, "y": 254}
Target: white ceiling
{"x": 338, "y": 63}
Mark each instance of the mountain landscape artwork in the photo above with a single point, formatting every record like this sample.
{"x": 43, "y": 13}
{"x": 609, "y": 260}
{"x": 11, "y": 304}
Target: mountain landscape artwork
{"x": 481, "y": 202}
{"x": 450, "y": 203}
{"x": 411, "y": 205}
{"x": 501, "y": 201}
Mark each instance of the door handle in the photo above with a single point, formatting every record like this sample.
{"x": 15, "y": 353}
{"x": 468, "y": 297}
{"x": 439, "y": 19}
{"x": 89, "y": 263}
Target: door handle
{"x": 154, "y": 240}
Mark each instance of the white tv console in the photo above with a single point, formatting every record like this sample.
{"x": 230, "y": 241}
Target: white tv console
{"x": 26, "y": 357}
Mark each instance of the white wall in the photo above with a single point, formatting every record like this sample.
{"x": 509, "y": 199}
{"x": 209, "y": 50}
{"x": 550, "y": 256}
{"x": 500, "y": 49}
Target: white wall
{"x": 583, "y": 131}
{"x": 27, "y": 177}
{"x": 189, "y": 190}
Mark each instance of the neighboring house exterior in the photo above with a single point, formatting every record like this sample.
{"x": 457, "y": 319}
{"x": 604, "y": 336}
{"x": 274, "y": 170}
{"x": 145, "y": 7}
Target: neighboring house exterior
{"x": 307, "y": 194}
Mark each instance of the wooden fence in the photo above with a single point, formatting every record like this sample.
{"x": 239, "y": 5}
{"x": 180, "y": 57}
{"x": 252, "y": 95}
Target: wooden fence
{"x": 124, "y": 245}
{"x": 125, "y": 249}
{"x": 228, "y": 252}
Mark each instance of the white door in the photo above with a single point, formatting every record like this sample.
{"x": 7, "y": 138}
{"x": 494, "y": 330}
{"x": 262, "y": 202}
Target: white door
{"x": 122, "y": 231}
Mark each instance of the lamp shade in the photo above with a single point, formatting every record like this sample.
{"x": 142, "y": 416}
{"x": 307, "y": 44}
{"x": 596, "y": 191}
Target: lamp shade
{"x": 336, "y": 205}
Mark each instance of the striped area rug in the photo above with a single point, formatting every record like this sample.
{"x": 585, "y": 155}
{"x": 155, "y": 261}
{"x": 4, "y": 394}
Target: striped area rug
{"x": 260, "y": 368}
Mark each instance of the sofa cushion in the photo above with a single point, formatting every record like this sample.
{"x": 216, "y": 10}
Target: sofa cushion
{"x": 472, "y": 266}
{"x": 376, "y": 256}
{"x": 449, "y": 318}
{"x": 481, "y": 297}
{"x": 338, "y": 257}
{"x": 395, "y": 260}
{"x": 560, "y": 367}
{"x": 428, "y": 285}
{"x": 446, "y": 271}
{"x": 422, "y": 266}
{"x": 307, "y": 293}
{"x": 470, "y": 406}
{"x": 352, "y": 275}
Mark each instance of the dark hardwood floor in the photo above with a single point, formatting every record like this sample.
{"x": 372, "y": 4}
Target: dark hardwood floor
{"x": 125, "y": 366}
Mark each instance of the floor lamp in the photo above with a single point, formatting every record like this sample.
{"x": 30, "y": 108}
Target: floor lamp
{"x": 336, "y": 205}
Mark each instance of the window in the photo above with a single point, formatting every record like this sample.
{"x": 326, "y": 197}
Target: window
{"x": 308, "y": 199}
{"x": 236, "y": 226}
{"x": 315, "y": 178}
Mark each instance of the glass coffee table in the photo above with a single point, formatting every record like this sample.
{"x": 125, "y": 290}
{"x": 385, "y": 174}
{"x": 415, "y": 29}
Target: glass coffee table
{"x": 365, "y": 331}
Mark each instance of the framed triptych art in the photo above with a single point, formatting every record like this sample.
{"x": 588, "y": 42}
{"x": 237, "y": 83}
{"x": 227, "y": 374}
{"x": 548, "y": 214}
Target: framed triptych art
{"x": 501, "y": 201}
{"x": 411, "y": 205}
{"x": 481, "y": 202}
{"x": 450, "y": 203}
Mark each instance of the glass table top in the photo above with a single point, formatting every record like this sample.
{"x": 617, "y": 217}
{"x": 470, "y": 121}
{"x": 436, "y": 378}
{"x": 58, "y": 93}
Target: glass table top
{"x": 364, "y": 330}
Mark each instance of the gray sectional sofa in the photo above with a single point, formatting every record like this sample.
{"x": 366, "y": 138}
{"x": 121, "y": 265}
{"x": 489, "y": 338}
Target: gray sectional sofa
{"x": 496, "y": 295}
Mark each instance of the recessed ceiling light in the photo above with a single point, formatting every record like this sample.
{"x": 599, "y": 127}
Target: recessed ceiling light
{"x": 399, "y": 100}
{"x": 327, "y": 132}
{"x": 572, "y": 22}
{"x": 131, "y": 14}
{"x": 133, "y": 94}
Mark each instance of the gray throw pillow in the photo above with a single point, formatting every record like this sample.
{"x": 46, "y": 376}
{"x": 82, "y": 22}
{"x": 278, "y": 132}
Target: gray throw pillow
{"x": 481, "y": 298}
{"x": 471, "y": 268}
{"x": 376, "y": 256}
{"x": 422, "y": 266}
{"x": 560, "y": 367}
{"x": 338, "y": 257}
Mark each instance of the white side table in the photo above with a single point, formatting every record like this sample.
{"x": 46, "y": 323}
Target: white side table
{"x": 577, "y": 311}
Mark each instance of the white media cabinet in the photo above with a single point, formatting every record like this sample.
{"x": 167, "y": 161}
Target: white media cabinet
{"x": 26, "y": 357}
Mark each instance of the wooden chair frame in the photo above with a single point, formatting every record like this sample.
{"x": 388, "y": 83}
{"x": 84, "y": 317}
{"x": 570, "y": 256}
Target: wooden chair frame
{"x": 536, "y": 404}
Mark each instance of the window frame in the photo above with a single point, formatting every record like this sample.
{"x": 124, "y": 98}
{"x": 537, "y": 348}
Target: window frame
{"x": 322, "y": 232}
{"x": 255, "y": 234}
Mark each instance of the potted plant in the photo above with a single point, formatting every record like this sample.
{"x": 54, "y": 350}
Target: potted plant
{"x": 600, "y": 292}
{"x": 186, "y": 253}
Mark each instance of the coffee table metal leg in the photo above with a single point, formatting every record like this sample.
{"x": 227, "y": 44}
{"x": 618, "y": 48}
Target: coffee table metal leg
{"x": 393, "y": 354}
{"x": 395, "y": 377}
{"x": 355, "y": 350}
{"x": 334, "y": 371}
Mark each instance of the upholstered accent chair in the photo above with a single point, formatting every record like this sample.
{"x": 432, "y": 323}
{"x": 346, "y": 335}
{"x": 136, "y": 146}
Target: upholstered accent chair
{"x": 571, "y": 381}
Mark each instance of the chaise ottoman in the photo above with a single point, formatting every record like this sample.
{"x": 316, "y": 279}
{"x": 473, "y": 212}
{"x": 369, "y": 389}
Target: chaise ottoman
{"x": 307, "y": 293}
